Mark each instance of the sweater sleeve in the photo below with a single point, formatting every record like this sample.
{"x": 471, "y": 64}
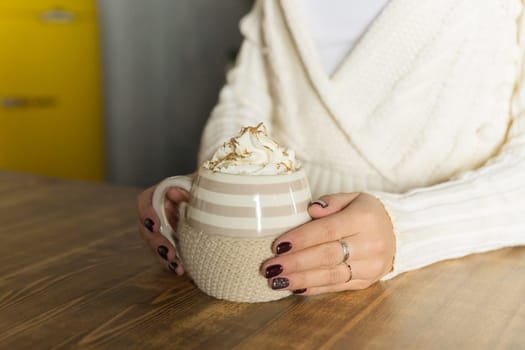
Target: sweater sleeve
{"x": 245, "y": 98}
{"x": 477, "y": 211}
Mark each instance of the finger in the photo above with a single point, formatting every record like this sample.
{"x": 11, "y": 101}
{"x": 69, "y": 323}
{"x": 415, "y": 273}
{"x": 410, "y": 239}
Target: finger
{"x": 145, "y": 232}
{"x": 340, "y": 273}
{"x": 149, "y": 234}
{"x": 313, "y": 278}
{"x": 177, "y": 195}
{"x": 149, "y": 224}
{"x": 331, "y": 228}
{"x": 320, "y": 256}
{"x": 148, "y": 217}
{"x": 354, "y": 284}
{"x": 172, "y": 266}
{"x": 330, "y": 204}
{"x": 147, "y": 214}
{"x": 366, "y": 258}
{"x": 172, "y": 213}
{"x": 166, "y": 253}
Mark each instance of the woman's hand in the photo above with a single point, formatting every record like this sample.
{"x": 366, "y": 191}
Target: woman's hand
{"x": 149, "y": 225}
{"x": 309, "y": 259}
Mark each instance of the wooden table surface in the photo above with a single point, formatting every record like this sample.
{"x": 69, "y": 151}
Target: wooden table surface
{"x": 74, "y": 273}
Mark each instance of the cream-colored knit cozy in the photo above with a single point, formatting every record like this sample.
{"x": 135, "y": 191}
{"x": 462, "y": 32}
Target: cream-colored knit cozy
{"x": 225, "y": 267}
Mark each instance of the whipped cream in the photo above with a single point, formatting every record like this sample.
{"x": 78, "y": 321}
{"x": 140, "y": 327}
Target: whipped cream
{"x": 253, "y": 152}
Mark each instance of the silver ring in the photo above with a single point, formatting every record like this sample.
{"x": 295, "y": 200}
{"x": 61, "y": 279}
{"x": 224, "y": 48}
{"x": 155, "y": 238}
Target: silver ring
{"x": 350, "y": 269}
{"x": 346, "y": 250}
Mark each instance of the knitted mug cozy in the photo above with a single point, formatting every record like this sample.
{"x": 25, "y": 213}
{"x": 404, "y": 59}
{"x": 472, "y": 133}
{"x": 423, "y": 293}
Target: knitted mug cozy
{"x": 227, "y": 267}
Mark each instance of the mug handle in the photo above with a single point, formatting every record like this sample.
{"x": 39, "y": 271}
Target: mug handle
{"x": 159, "y": 197}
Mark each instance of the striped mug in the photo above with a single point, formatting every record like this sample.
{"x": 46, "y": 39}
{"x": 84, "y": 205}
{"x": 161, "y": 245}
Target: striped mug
{"x": 227, "y": 229}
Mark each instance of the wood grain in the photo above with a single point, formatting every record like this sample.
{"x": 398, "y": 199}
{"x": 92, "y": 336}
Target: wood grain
{"x": 74, "y": 273}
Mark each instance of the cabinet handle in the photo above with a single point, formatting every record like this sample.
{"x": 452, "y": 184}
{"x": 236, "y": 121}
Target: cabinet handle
{"x": 19, "y": 102}
{"x": 58, "y": 15}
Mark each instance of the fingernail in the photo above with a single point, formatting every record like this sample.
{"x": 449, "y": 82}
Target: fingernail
{"x": 320, "y": 202}
{"x": 299, "y": 291}
{"x": 163, "y": 251}
{"x": 280, "y": 283}
{"x": 283, "y": 247}
{"x": 273, "y": 270}
{"x": 149, "y": 224}
{"x": 173, "y": 266}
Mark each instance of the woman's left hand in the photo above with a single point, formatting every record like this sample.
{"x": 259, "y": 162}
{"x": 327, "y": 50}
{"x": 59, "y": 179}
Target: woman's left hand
{"x": 309, "y": 259}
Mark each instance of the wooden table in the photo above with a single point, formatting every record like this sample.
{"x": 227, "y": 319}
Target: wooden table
{"x": 75, "y": 273}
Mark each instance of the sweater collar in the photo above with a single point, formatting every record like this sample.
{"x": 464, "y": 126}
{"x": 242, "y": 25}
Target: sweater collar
{"x": 355, "y": 95}
{"x": 296, "y": 22}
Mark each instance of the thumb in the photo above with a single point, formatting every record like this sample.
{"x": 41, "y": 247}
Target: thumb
{"x": 177, "y": 195}
{"x": 329, "y": 204}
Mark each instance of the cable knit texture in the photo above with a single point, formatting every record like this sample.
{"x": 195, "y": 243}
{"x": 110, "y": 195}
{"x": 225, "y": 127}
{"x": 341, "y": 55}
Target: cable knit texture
{"x": 426, "y": 113}
{"x": 227, "y": 267}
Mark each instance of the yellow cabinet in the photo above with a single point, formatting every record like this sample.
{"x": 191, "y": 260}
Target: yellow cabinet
{"x": 50, "y": 88}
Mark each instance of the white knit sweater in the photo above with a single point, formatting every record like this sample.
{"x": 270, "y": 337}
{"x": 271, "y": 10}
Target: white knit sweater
{"x": 337, "y": 25}
{"x": 427, "y": 113}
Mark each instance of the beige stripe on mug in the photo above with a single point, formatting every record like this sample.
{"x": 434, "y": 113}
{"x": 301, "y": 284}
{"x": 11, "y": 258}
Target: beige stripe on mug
{"x": 246, "y": 227}
{"x": 236, "y": 200}
{"x": 248, "y": 215}
{"x": 243, "y": 206}
{"x": 227, "y": 210}
{"x": 230, "y": 188}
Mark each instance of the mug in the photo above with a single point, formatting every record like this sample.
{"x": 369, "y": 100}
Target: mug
{"x": 226, "y": 230}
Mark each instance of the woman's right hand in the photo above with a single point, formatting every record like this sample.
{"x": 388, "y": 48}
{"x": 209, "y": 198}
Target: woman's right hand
{"x": 149, "y": 225}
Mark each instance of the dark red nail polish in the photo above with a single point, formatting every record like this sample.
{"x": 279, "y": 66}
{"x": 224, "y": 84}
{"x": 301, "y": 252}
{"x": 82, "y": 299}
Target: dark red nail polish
{"x": 299, "y": 291}
{"x": 273, "y": 270}
{"x": 173, "y": 266}
{"x": 163, "y": 252}
{"x": 280, "y": 283}
{"x": 283, "y": 247}
{"x": 148, "y": 223}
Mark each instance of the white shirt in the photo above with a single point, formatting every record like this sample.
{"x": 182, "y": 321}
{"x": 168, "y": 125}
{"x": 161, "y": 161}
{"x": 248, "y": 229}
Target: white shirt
{"x": 337, "y": 25}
